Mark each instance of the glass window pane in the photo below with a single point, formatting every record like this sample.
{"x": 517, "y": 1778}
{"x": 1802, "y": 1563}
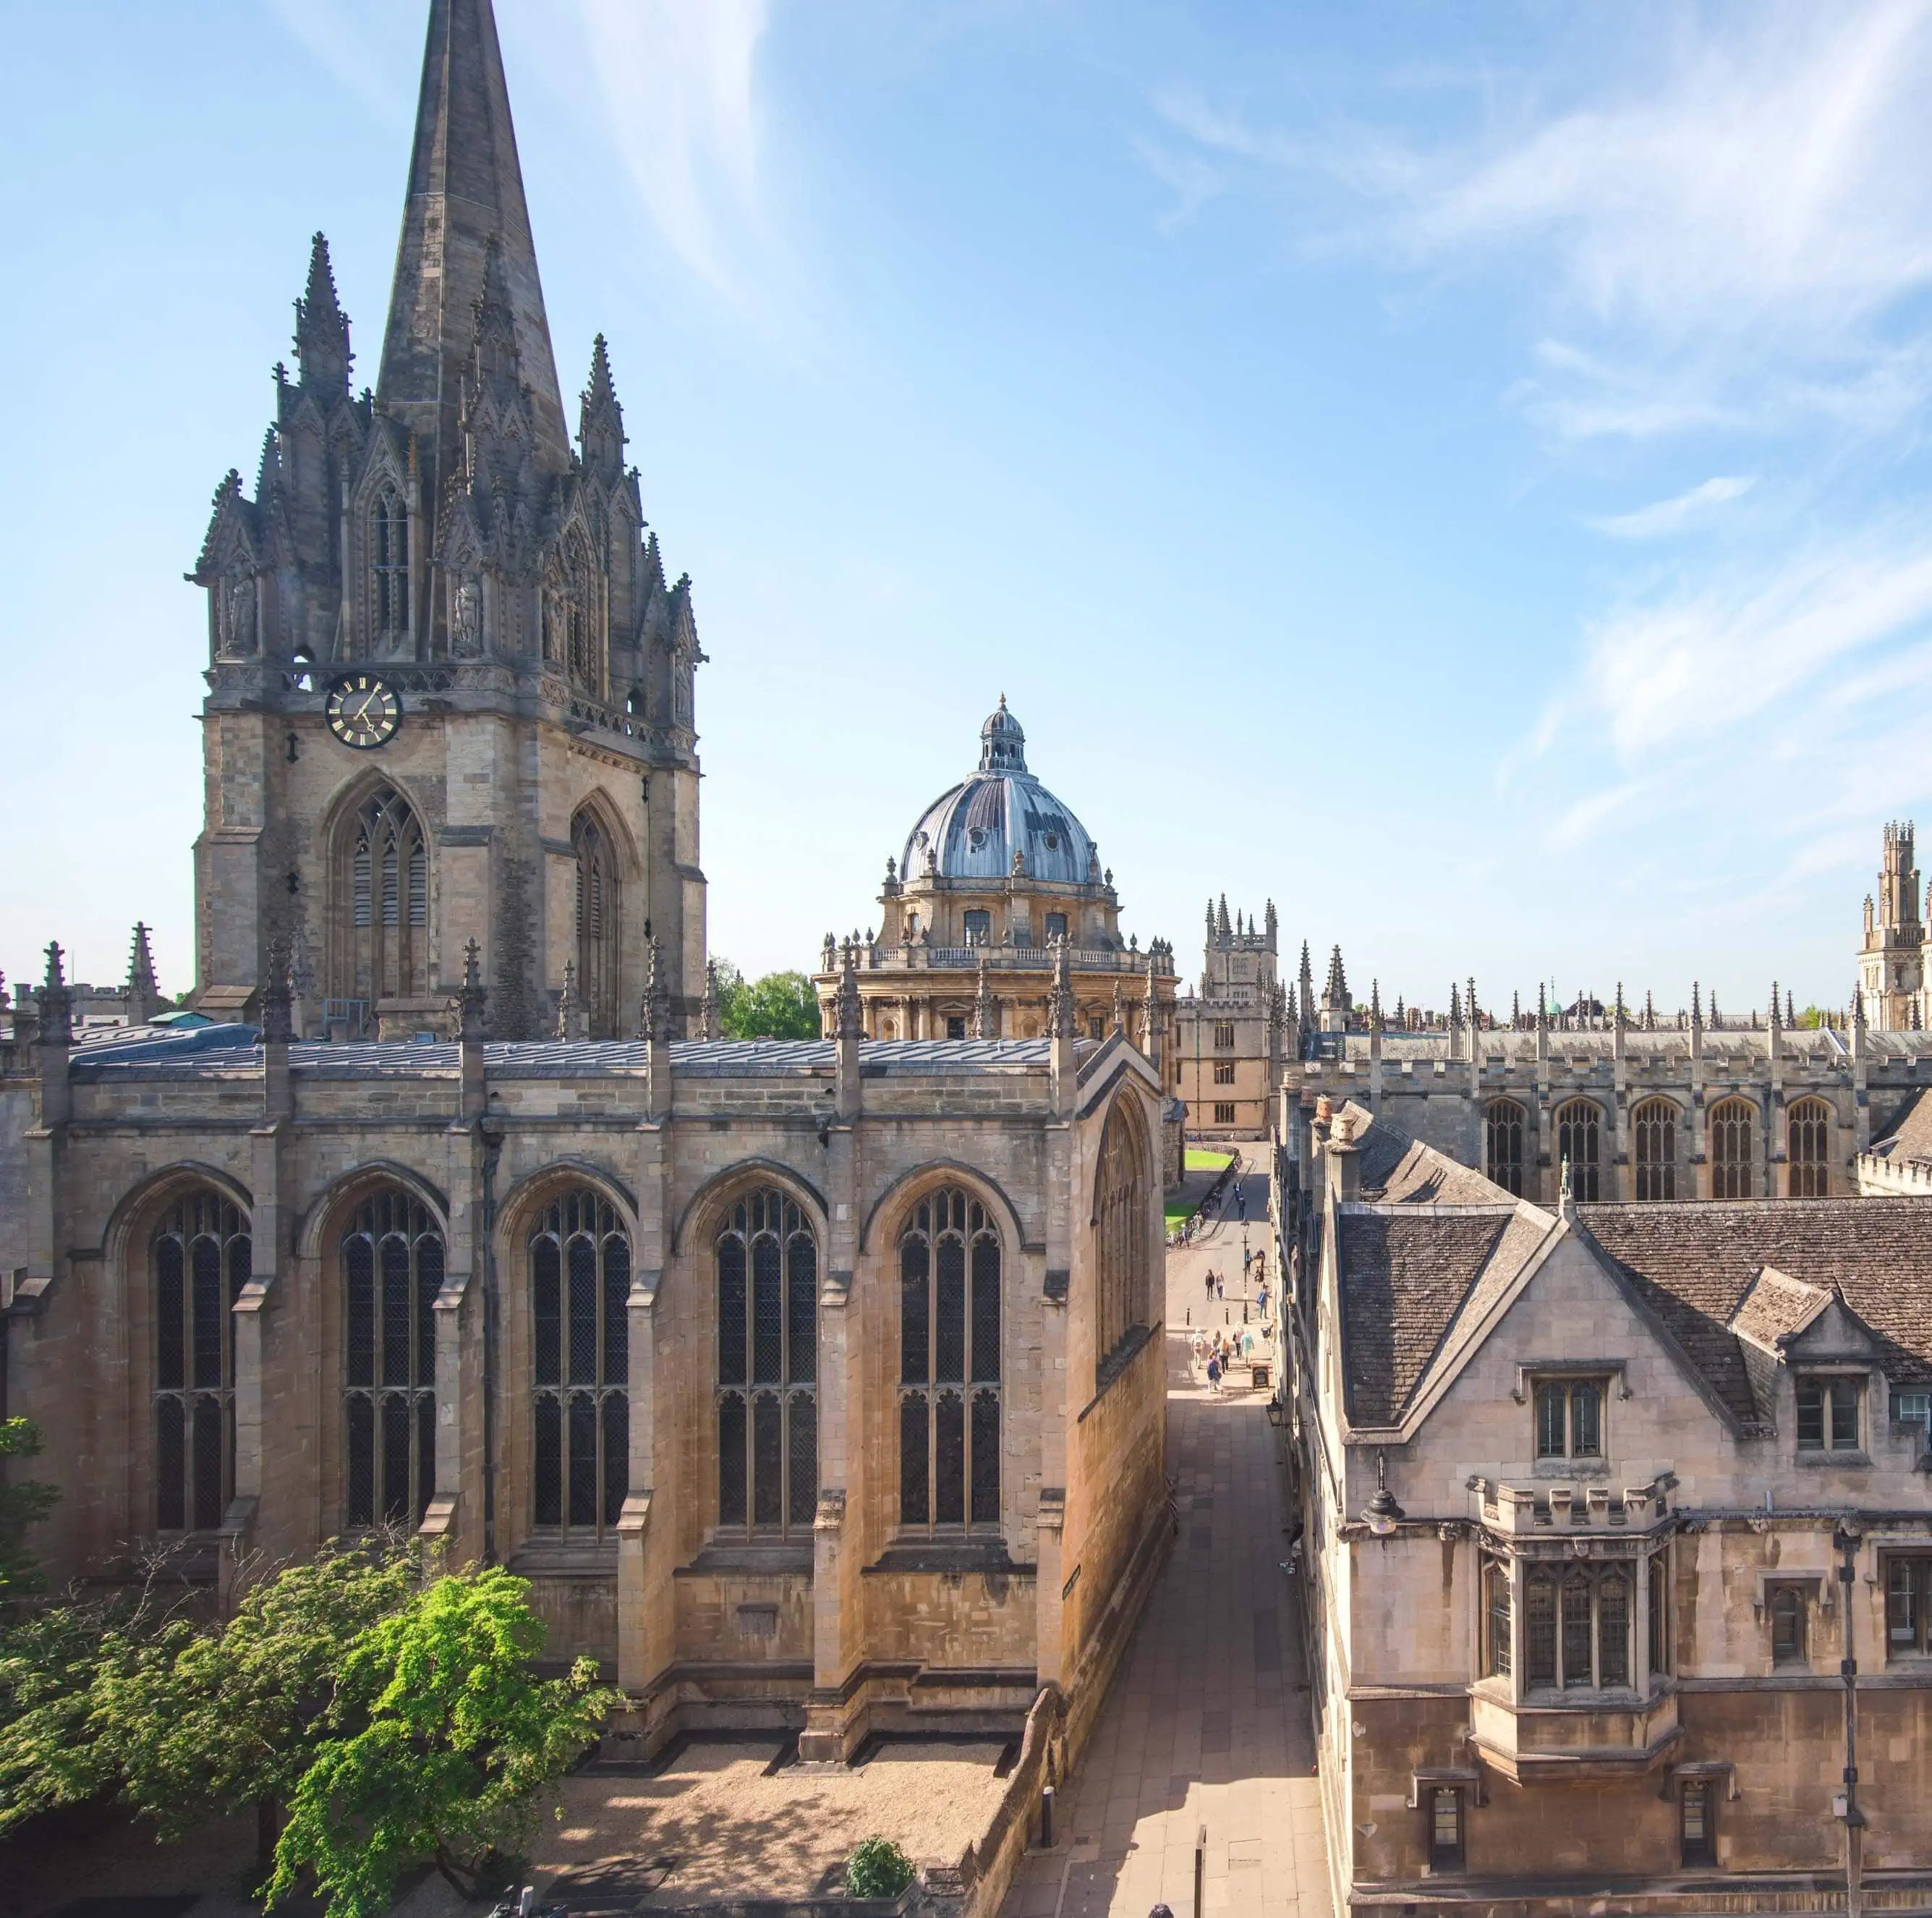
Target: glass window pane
{"x": 210, "y": 1308}
{"x": 802, "y": 1450}
{"x": 731, "y": 1507}
{"x": 1540, "y": 1630}
{"x": 1585, "y": 1421}
{"x": 1550, "y": 1435}
{"x": 985, "y": 1458}
{"x": 359, "y": 1259}
{"x": 1613, "y": 1630}
{"x": 1811, "y": 1414}
{"x": 949, "y": 1461}
{"x": 1660, "y": 1612}
{"x": 425, "y": 1453}
{"x": 549, "y": 1460}
{"x": 396, "y": 1313}
{"x": 985, "y": 1308}
{"x": 395, "y": 1457}
{"x": 948, "y": 1355}
{"x": 616, "y": 1454}
{"x": 915, "y": 1496}
{"x": 1576, "y": 1631}
{"x": 582, "y": 1440}
{"x": 208, "y": 1462}
{"x": 767, "y": 1461}
{"x": 731, "y": 1349}
{"x": 582, "y": 1259}
{"x": 547, "y": 1311}
{"x": 615, "y": 1370}
{"x": 170, "y": 1466}
{"x": 1844, "y": 1416}
{"x": 361, "y": 1461}
{"x": 767, "y": 1311}
{"x": 915, "y": 1308}
{"x": 801, "y": 1309}
{"x": 429, "y": 1282}
{"x": 171, "y": 1362}
{"x": 1499, "y": 1659}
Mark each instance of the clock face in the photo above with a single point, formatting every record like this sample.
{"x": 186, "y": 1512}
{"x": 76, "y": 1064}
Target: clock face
{"x": 363, "y": 712}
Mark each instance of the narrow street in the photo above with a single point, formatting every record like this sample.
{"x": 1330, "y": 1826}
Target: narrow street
{"x": 1207, "y": 1725}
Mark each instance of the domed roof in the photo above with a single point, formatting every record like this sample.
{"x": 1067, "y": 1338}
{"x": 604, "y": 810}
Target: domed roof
{"x": 974, "y": 829}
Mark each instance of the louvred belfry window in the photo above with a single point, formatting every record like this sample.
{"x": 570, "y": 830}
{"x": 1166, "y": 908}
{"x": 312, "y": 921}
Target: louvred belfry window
{"x": 949, "y": 1367}
{"x": 389, "y": 568}
{"x": 580, "y": 1328}
{"x": 599, "y": 924}
{"x": 385, "y": 954}
{"x": 200, "y": 1254}
{"x": 767, "y": 1368}
{"x": 392, "y": 1262}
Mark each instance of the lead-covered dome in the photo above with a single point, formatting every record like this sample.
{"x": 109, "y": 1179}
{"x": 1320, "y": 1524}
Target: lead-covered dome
{"x": 973, "y": 831}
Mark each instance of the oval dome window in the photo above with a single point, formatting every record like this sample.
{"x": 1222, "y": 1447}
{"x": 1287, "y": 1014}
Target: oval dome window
{"x": 976, "y": 837}
{"x": 1053, "y": 842}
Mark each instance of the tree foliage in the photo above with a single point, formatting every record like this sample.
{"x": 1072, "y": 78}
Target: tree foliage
{"x": 782, "y": 1005}
{"x": 877, "y": 1869}
{"x": 23, "y": 1503}
{"x": 51, "y": 1754}
{"x": 441, "y": 1736}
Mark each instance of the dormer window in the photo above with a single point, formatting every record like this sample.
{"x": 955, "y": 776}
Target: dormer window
{"x": 1827, "y": 1414}
{"x": 1570, "y": 1418}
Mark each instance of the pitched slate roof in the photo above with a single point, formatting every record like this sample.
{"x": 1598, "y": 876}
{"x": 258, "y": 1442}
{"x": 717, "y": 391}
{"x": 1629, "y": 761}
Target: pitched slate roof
{"x": 1910, "y": 1137}
{"x": 1694, "y": 1264}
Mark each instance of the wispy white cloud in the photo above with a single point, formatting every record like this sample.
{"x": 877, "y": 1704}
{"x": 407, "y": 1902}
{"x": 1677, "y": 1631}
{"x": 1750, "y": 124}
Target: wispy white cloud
{"x": 1673, "y": 515}
{"x": 371, "y": 47}
{"x": 1194, "y": 182}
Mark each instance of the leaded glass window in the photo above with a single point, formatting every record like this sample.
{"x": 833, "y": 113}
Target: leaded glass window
{"x": 1654, "y": 1126}
{"x": 392, "y": 1262}
{"x": 949, "y": 1366}
{"x": 1577, "y": 1628}
{"x": 767, "y": 1264}
{"x": 1121, "y": 1240}
{"x": 1731, "y": 1171}
{"x": 580, "y": 1342}
{"x": 200, "y": 1254}
{"x": 1809, "y": 1148}
{"x": 1502, "y": 1134}
{"x": 1579, "y": 1138}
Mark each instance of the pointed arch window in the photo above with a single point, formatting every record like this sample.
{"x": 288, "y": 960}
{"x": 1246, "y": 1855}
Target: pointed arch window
{"x": 1121, "y": 1219}
{"x": 767, "y": 1368}
{"x": 579, "y": 1293}
{"x": 1731, "y": 1169}
{"x": 1809, "y": 1148}
{"x": 599, "y": 926}
{"x": 1653, "y": 1132}
{"x": 392, "y": 1261}
{"x": 389, "y": 568}
{"x": 1579, "y": 1139}
{"x": 949, "y": 1367}
{"x": 200, "y": 1258}
{"x": 386, "y": 884}
{"x": 1502, "y": 1143}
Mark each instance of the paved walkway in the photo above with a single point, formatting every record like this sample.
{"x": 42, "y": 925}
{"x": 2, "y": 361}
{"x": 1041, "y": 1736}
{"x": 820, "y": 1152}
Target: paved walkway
{"x": 1208, "y": 1722}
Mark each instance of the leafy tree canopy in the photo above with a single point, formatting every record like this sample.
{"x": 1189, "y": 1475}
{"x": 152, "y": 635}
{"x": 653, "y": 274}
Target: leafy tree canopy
{"x": 23, "y": 1503}
{"x": 782, "y": 1005}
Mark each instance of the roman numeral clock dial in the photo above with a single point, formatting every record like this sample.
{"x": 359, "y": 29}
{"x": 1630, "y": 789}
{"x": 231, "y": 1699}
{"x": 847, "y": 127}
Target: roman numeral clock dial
{"x": 363, "y": 713}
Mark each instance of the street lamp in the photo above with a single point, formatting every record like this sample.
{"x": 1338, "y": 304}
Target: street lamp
{"x": 1381, "y": 1514}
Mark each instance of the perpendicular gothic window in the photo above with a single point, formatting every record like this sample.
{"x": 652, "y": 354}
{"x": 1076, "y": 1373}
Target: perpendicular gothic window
{"x": 599, "y": 927}
{"x": 767, "y": 1264}
{"x": 386, "y": 942}
{"x": 1576, "y": 1628}
{"x": 1502, "y": 1138}
{"x": 1120, "y": 1240}
{"x": 1732, "y": 1173}
{"x": 579, "y": 1348}
{"x": 1653, "y": 1126}
{"x": 200, "y": 1252}
{"x": 1496, "y": 1619}
{"x": 1579, "y": 1137}
{"x": 389, "y": 567}
{"x": 1809, "y": 1148}
{"x": 950, "y": 1311}
{"x": 392, "y": 1262}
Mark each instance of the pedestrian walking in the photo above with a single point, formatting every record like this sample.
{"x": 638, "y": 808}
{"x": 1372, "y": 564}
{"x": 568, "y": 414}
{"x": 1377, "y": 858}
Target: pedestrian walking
{"x": 1220, "y": 1285}
{"x": 1210, "y": 1282}
{"x": 1214, "y": 1374}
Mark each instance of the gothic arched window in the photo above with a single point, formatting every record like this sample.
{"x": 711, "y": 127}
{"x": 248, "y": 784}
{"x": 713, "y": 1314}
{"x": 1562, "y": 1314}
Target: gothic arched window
{"x": 767, "y": 1368}
{"x": 200, "y": 1252}
{"x": 1654, "y": 1127}
{"x": 389, "y": 567}
{"x": 1502, "y": 1144}
{"x": 599, "y": 923}
{"x": 1121, "y": 1245}
{"x": 949, "y": 1326}
{"x": 1578, "y": 1137}
{"x": 581, "y": 648}
{"x": 387, "y": 955}
{"x": 392, "y": 1259}
{"x": 1731, "y": 1167}
{"x": 579, "y": 1343}
{"x": 1810, "y": 1148}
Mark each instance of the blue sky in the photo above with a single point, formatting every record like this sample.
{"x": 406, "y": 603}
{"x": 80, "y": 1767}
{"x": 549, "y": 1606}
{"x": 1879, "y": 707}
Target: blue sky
{"x": 1459, "y": 470}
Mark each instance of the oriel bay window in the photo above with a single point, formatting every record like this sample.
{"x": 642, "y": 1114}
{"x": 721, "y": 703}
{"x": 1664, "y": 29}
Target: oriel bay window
{"x": 949, "y": 1332}
{"x": 579, "y": 1348}
{"x": 1496, "y": 1610}
{"x": 392, "y": 1260}
{"x": 767, "y": 1368}
{"x": 1576, "y": 1627}
{"x": 201, "y": 1257}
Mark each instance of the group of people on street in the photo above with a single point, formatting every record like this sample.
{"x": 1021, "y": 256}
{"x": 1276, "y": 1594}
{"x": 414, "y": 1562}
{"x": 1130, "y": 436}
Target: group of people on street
{"x": 1221, "y": 1350}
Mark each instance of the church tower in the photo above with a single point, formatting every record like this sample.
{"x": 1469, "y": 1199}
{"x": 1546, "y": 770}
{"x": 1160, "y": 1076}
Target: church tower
{"x": 1891, "y": 961}
{"x": 450, "y": 688}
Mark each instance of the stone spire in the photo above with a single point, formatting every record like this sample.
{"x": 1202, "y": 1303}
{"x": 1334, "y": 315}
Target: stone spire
{"x": 1307, "y": 984}
{"x": 1221, "y": 925}
{"x": 56, "y": 1003}
{"x": 1150, "y": 1016}
{"x": 1336, "y": 997}
{"x": 709, "y": 1015}
{"x": 985, "y": 1012}
{"x": 466, "y": 191}
{"x": 472, "y": 1001}
{"x": 321, "y": 330}
{"x": 600, "y": 426}
{"x": 1060, "y": 999}
{"x": 1119, "y": 1008}
{"x": 277, "y": 1000}
{"x": 1375, "y": 1005}
{"x": 850, "y": 1009}
{"x": 1271, "y": 925}
{"x": 654, "y": 1013}
{"x": 570, "y": 1020}
{"x": 144, "y": 993}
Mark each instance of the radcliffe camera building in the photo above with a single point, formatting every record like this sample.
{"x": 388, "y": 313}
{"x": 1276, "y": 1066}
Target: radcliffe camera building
{"x": 813, "y": 1386}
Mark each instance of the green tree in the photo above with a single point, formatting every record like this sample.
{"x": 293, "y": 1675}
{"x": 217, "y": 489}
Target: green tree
{"x": 443, "y": 1736}
{"x": 204, "y": 1721}
{"x": 50, "y": 1752}
{"x": 23, "y": 1503}
{"x": 782, "y": 1005}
